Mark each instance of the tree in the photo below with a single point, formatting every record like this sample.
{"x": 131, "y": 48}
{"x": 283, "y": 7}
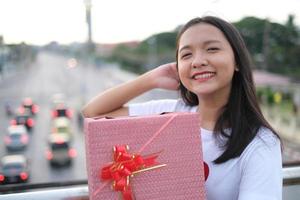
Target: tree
{"x": 274, "y": 47}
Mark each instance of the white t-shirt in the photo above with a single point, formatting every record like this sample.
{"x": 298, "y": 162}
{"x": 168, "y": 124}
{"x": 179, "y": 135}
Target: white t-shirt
{"x": 255, "y": 175}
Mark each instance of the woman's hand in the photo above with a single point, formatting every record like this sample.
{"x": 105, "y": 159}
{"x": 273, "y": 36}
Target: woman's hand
{"x": 165, "y": 76}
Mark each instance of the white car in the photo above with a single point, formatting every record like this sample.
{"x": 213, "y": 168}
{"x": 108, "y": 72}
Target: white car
{"x": 17, "y": 138}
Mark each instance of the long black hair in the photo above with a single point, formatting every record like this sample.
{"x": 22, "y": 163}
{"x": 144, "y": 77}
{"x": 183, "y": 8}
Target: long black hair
{"x": 242, "y": 113}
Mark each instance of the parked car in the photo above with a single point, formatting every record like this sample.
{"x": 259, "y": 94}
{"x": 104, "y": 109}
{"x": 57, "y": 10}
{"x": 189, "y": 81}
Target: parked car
{"x": 14, "y": 169}
{"x": 23, "y": 119}
{"x": 28, "y": 104}
{"x": 60, "y": 153}
{"x": 16, "y": 138}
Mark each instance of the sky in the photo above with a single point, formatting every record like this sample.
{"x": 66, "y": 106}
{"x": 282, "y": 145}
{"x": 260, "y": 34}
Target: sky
{"x": 42, "y": 21}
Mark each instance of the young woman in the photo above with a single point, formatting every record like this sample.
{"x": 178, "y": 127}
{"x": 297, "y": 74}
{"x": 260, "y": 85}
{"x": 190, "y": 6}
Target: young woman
{"x": 213, "y": 74}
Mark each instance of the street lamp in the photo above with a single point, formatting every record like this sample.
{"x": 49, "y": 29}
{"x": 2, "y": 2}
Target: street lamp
{"x": 88, "y": 9}
{"x": 152, "y": 52}
{"x": 1, "y": 55}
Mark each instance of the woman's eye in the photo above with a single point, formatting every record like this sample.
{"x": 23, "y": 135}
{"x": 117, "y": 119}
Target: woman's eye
{"x": 212, "y": 49}
{"x": 185, "y": 55}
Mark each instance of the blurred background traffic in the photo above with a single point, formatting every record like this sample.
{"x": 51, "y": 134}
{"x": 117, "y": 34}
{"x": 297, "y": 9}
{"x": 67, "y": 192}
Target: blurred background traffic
{"x": 44, "y": 83}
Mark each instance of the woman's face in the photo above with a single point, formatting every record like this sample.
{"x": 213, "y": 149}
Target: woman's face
{"x": 205, "y": 61}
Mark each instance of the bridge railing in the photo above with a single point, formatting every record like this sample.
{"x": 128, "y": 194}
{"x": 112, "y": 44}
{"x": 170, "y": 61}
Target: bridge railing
{"x": 78, "y": 190}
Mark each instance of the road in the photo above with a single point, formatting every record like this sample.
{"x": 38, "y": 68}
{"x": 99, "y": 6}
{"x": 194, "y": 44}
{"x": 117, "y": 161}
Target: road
{"x": 51, "y": 74}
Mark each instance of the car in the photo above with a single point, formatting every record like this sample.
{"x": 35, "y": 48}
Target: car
{"x": 28, "y": 104}
{"x": 61, "y": 110}
{"x": 17, "y": 138}
{"x": 62, "y": 125}
{"x": 23, "y": 119}
{"x": 60, "y": 153}
{"x": 14, "y": 169}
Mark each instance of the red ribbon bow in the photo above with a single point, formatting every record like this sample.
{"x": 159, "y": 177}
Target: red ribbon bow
{"x": 124, "y": 166}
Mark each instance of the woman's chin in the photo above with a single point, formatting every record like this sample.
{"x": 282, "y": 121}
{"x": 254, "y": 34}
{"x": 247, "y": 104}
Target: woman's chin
{"x": 204, "y": 91}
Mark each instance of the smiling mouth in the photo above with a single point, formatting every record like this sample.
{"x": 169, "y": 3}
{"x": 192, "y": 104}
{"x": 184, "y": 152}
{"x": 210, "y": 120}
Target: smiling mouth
{"x": 203, "y": 76}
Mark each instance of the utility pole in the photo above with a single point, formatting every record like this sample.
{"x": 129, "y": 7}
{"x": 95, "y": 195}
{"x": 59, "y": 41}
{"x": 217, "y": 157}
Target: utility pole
{"x": 266, "y": 44}
{"x": 1, "y": 55}
{"x": 152, "y": 52}
{"x": 88, "y": 10}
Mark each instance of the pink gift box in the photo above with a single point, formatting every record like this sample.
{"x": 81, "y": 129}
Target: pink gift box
{"x": 175, "y": 135}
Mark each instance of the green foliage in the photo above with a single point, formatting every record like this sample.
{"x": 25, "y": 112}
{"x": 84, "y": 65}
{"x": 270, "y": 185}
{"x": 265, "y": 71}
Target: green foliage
{"x": 252, "y": 30}
{"x": 275, "y": 47}
{"x": 266, "y": 96}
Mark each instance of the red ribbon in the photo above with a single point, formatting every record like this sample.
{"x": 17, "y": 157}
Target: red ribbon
{"x": 123, "y": 167}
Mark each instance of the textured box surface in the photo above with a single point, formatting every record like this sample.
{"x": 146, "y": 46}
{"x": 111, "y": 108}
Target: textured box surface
{"x": 180, "y": 145}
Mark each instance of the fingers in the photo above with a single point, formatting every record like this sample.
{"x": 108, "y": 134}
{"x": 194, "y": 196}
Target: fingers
{"x": 174, "y": 70}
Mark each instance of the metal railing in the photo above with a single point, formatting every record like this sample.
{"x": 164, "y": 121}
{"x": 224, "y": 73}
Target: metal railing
{"x": 78, "y": 190}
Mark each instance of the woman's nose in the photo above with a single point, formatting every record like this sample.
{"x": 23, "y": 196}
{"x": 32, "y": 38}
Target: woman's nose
{"x": 199, "y": 61}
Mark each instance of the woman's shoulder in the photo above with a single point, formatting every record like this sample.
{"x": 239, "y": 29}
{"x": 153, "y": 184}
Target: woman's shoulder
{"x": 265, "y": 140}
{"x": 267, "y": 137}
{"x": 263, "y": 153}
{"x": 181, "y": 106}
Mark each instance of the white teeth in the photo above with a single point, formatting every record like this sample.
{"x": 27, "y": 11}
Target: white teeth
{"x": 206, "y": 75}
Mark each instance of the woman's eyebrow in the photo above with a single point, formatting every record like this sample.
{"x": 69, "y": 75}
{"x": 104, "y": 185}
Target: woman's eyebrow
{"x": 184, "y": 47}
{"x": 211, "y": 41}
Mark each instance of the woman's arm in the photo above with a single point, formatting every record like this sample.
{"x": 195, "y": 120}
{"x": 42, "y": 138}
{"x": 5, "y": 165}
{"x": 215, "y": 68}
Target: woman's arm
{"x": 111, "y": 102}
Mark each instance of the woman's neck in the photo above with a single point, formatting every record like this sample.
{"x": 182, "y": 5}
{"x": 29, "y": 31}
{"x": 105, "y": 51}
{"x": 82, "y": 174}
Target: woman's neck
{"x": 210, "y": 110}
